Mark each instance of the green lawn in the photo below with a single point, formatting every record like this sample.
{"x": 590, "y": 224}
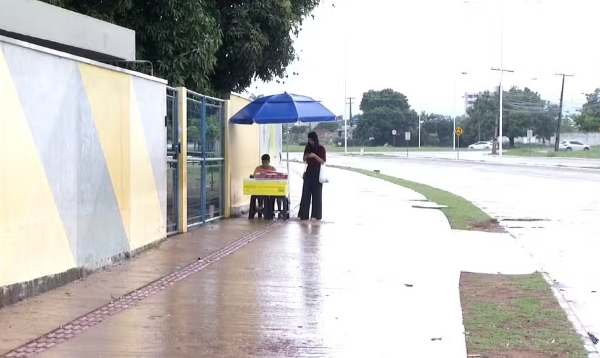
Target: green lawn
{"x": 331, "y": 148}
{"x": 515, "y": 316}
{"x": 538, "y": 151}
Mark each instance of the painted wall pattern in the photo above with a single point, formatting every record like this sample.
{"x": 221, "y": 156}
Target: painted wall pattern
{"x": 82, "y": 163}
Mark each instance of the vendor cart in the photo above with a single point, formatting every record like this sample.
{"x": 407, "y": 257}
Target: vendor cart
{"x": 279, "y": 109}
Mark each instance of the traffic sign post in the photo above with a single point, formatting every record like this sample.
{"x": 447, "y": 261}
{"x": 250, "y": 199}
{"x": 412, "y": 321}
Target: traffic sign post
{"x": 394, "y": 132}
{"x": 407, "y": 139}
{"x": 529, "y": 135}
{"x": 459, "y": 132}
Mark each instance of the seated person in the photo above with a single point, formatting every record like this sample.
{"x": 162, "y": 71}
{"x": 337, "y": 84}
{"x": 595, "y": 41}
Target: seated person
{"x": 266, "y": 167}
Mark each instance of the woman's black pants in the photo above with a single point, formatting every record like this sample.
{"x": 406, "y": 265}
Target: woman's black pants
{"x": 312, "y": 189}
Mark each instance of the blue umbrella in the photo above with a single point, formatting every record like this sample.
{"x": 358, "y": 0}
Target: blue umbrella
{"x": 283, "y": 108}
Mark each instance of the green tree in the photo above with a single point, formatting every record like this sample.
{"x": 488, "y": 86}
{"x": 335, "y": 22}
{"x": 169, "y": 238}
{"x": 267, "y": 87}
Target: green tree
{"x": 212, "y": 47}
{"x": 193, "y": 136}
{"x": 589, "y": 119}
{"x": 481, "y": 121}
{"x": 328, "y": 126}
{"x": 436, "y": 130}
{"x": 523, "y": 109}
{"x": 384, "y": 111}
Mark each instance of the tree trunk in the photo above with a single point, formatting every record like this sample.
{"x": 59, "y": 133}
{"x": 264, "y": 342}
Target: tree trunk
{"x": 512, "y": 142}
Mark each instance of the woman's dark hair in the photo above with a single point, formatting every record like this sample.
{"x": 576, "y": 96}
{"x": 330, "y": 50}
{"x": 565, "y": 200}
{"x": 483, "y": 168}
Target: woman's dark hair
{"x": 315, "y": 138}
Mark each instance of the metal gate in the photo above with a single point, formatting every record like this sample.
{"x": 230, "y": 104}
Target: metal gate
{"x": 172, "y": 161}
{"x": 206, "y": 158}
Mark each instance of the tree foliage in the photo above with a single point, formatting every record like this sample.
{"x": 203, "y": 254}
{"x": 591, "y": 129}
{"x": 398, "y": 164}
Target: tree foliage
{"x": 523, "y": 109}
{"x": 210, "y": 46}
{"x": 589, "y": 119}
{"x": 384, "y": 111}
{"x": 436, "y": 130}
{"x": 328, "y": 126}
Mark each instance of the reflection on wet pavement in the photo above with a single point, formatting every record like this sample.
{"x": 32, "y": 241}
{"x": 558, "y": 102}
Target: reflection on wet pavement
{"x": 376, "y": 278}
{"x": 564, "y": 244}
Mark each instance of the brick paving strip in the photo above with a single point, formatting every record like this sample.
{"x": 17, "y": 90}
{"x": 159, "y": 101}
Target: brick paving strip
{"x": 131, "y": 299}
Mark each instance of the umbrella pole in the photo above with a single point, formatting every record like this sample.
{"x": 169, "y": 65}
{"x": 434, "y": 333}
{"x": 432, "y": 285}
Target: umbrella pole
{"x": 287, "y": 144}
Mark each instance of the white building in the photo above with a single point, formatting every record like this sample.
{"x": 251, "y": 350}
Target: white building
{"x": 470, "y": 99}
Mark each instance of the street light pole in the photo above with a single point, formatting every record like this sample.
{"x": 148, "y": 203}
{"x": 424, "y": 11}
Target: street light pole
{"x": 501, "y": 88}
{"x": 345, "y": 97}
{"x": 454, "y": 118}
{"x": 501, "y": 94}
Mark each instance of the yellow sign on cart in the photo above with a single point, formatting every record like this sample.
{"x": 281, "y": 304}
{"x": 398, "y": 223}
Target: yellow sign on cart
{"x": 265, "y": 187}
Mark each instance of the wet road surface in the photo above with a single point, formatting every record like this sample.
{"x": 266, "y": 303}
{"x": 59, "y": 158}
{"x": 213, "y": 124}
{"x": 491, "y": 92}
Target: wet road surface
{"x": 553, "y": 212}
{"x": 486, "y": 157}
{"x": 374, "y": 279}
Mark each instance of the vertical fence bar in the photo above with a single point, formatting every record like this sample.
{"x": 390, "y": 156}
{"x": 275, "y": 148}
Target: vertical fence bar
{"x": 175, "y": 143}
{"x": 223, "y": 163}
{"x": 182, "y": 174}
{"x": 203, "y": 161}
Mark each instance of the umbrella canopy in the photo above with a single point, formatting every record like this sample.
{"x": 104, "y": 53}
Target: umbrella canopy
{"x": 283, "y": 108}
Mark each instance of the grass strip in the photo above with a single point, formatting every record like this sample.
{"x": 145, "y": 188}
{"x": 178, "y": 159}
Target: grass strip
{"x": 515, "y": 316}
{"x": 461, "y": 213}
{"x": 536, "y": 151}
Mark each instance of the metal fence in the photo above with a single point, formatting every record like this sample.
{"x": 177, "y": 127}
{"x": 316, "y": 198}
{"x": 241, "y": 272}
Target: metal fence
{"x": 172, "y": 163}
{"x": 206, "y": 158}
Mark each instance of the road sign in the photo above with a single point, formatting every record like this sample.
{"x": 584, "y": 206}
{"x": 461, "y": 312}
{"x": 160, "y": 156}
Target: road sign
{"x": 406, "y": 136}
{"x": 394, "y": 132}
{"x": 459, "y": 131}
{"x": 529, "y": 133}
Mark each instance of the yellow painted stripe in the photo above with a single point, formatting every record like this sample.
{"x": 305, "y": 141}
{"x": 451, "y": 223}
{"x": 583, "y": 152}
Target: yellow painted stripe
{"x": 108, "y": 94}
{"x": 33, "y": 242}
{"x": 147, "y": 223}
{"x": 182, "y": 171}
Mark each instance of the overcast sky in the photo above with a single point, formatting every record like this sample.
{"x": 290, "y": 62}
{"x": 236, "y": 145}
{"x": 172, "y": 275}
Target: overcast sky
{"x": 421, "y": 48}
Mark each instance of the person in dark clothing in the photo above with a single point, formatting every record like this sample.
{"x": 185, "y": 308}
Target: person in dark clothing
{"x": 314, "y": 156}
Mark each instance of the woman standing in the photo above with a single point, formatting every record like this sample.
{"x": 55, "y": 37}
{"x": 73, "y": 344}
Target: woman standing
{"x": 314, "y": 156}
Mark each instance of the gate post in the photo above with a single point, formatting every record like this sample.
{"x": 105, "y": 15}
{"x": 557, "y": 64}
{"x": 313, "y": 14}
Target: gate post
{"x": 226, "y": 169}
{"x": 182, "y": 174}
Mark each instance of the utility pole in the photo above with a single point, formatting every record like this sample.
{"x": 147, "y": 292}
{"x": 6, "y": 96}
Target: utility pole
{"x": 501, "y": 90}
{"x": 560, "y": 109}
{"x": 350, "y": 99}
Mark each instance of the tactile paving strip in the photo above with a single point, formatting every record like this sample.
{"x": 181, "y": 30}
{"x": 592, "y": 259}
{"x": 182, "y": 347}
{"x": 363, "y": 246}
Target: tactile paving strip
{"x": 93, "y": 318}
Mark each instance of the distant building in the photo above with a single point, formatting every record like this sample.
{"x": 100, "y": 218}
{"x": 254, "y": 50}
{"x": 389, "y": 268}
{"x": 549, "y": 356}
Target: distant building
{"x": 342, "y": 131}
{"x": 470, "y": 99}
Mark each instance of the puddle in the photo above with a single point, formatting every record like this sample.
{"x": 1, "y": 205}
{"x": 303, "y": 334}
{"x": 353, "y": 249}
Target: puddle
{"x": 524, "y": 219}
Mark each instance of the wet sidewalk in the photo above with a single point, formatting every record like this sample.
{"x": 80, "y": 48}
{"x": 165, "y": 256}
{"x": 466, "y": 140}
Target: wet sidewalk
{"x": 375, "y": 278}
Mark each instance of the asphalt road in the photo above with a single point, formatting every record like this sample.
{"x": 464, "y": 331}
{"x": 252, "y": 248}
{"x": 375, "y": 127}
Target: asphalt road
{"x": 554, "y": 214}
{"x": 485, "y": 156}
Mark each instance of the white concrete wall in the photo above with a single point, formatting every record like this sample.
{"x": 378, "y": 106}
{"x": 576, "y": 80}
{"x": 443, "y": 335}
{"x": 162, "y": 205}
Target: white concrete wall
{"x": 50, "y": 23}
